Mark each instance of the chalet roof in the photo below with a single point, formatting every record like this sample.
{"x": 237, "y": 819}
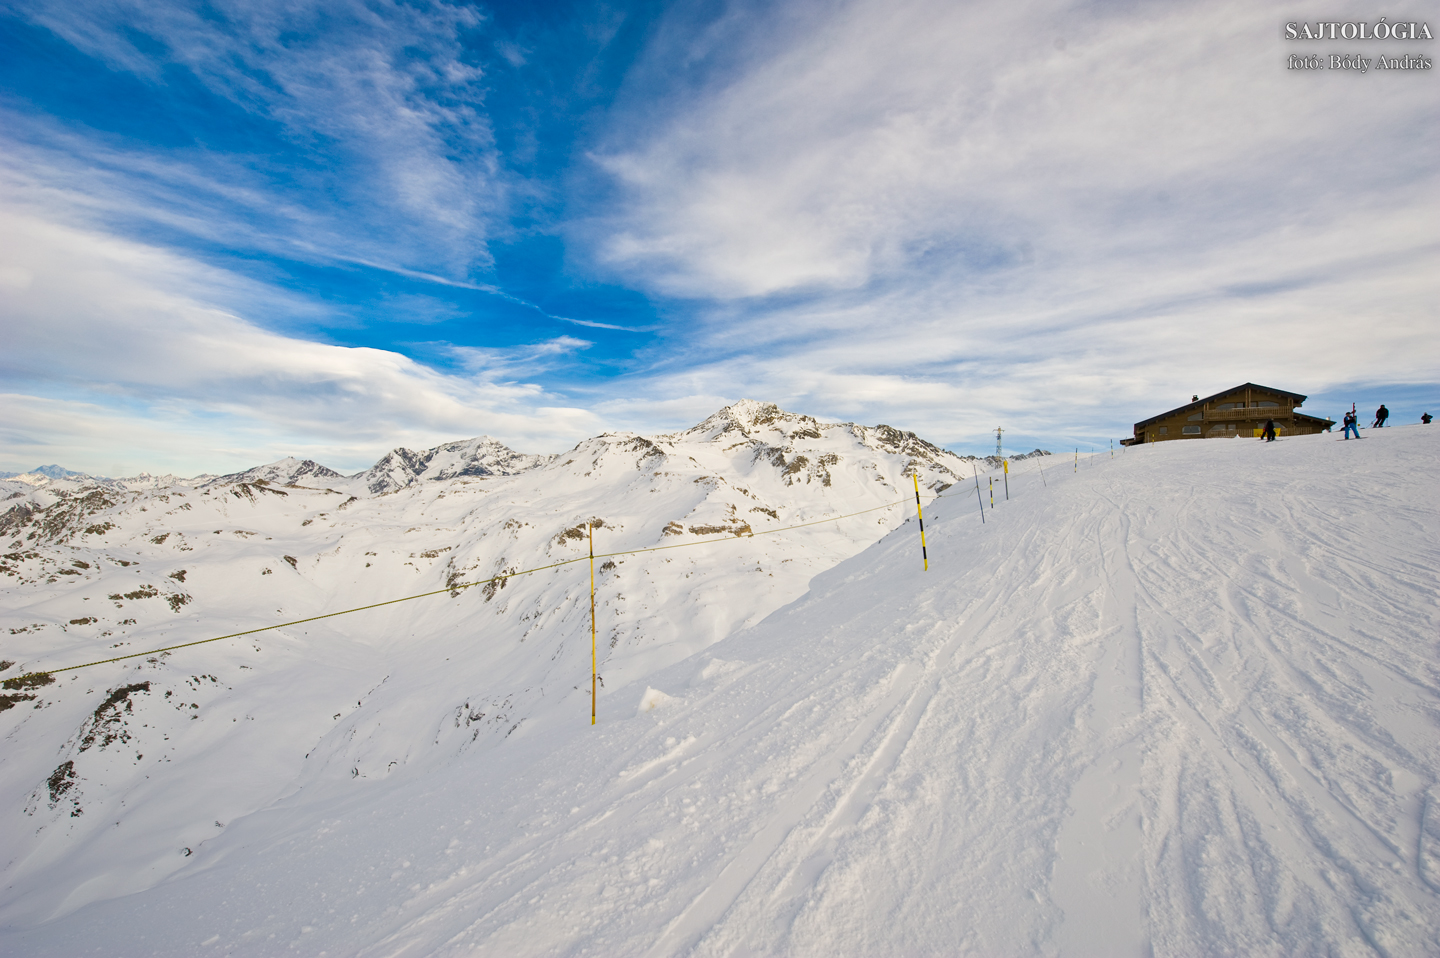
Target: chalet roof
{"x": 1224, "y": 392}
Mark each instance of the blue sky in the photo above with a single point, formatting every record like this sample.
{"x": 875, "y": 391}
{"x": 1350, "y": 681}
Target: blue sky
{"x": 237, "y": 231}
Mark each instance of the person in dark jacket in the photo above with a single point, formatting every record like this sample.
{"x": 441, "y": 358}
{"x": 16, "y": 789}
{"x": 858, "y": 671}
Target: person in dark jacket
{"x": 1425, "y": 418}
{"x": 1381, "y": 415}
{"x": 1268, "y": 433}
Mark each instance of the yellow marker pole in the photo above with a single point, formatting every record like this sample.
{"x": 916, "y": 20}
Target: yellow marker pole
{"x": 992, "y": 492}
{"x": 590, "y": 534}
{"x": 923, "y": 556}
{"x": 1006, "y": 464}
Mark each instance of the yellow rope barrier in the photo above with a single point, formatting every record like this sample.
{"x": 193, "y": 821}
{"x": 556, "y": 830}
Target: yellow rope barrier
{"x": 16, "y": 681}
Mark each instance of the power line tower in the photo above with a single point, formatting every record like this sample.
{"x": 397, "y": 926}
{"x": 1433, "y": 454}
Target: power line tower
{"x": 998, "y": 432}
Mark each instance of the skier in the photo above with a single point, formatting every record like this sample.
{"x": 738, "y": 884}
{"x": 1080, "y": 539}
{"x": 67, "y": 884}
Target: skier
{"x": 1425, "y": 418}
{"x": 1381, "y": 415}
{"x": 1352, "y": 424}
{"x": 1268, "y": 433}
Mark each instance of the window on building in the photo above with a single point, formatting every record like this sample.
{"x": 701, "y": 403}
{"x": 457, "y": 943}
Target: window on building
{"x": 1164, "y": 430}
{"x": 1197, "y": 417}
{"x": 1191, "y": 430}
{"x": 1267, "y": 404}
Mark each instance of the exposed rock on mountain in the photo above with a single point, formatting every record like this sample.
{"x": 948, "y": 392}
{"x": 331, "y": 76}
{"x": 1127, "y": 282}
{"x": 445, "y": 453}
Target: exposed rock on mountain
{"x": 806, "y": 450}
{"x": 481, "y": 456}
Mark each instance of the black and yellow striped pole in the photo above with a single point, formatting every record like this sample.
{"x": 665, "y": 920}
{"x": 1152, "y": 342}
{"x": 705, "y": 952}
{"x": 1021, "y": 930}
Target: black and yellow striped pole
{"x": 992, "y": 492}
{"x": 919, "y": 515}
{"x": 590, "y": 535}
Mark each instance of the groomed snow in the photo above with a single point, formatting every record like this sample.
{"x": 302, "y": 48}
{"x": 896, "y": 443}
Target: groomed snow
{"x": 1183, "y": 701}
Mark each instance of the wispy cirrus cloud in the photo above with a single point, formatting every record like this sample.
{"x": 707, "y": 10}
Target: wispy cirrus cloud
{"x": 957, "y": 214}
{"x": 890, "y": 139}
{"x": 367, "y": 136}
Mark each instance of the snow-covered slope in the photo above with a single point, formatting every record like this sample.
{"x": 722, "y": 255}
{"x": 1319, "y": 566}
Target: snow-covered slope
{"x": 1183, "y": 701}
{"x": 107, "y": 571}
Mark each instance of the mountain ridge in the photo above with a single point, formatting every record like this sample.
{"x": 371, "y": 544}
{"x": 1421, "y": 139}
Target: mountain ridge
{"x": 484, "y": 456}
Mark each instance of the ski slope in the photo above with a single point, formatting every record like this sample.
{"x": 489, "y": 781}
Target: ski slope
{"x": 1182, "y": 701}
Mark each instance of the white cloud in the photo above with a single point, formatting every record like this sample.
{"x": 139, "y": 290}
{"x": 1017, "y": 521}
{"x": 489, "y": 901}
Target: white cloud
{"x": 524, "y": 360}
{"x": 935, "y": 213}
{"x": 137, "y": 343}
{"x": 892, "y": 135}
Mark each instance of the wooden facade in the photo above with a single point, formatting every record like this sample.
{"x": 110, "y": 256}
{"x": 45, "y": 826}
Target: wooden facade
{"x": 1240, "y": 411}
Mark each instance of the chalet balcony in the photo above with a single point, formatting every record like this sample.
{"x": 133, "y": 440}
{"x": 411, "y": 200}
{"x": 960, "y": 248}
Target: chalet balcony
{"x": 1251, "y": 412}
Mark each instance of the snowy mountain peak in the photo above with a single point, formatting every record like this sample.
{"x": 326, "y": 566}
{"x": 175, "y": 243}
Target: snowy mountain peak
{"x": 42, "y": 474}
{"x": 751, "y": 413}
{"x": 749, "y": 416}
{"x": 283, "y": 472}
{"x": 53, "y": 471}
{"x": 481, "y": 456}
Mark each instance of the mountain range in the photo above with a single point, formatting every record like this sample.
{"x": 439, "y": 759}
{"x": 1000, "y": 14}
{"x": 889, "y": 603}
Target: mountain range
{"x": 397, "y": 469}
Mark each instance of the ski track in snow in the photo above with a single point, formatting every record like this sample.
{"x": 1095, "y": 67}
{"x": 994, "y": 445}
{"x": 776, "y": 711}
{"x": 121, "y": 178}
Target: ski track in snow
{"x": 1184, "y": 701}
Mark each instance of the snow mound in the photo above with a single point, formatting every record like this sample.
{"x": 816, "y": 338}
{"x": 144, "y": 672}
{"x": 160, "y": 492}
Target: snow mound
{"x": 653, "y": 699}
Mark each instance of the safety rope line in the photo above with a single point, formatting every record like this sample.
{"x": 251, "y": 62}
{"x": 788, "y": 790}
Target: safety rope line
{"x": 18, "y": 681}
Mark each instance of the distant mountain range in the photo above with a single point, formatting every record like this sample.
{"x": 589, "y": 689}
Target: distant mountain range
{"x": 49, "y": 472}
{"x": 398, "y": 468}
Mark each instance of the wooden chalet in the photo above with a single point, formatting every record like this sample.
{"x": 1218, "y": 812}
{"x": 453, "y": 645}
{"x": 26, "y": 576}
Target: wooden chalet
{"x": 1238, "y": 411}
